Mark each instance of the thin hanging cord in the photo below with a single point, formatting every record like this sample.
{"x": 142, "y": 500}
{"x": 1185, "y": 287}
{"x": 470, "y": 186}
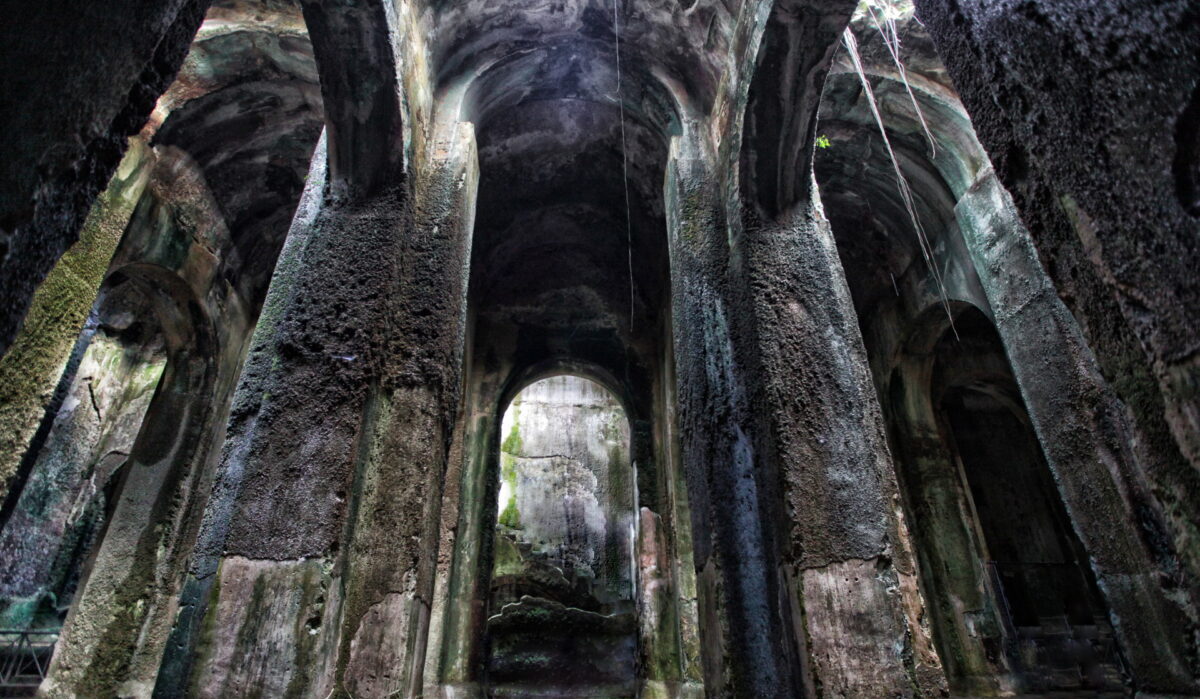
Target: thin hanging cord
{"x": 906, "y": 196}
{"x": 891, "y": 39}
{"x": 624, "y": 161}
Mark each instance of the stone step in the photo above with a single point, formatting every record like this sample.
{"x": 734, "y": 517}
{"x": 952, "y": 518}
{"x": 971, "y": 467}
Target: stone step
{"x": 538, "y": 645}
{"x": 527, "y": 691}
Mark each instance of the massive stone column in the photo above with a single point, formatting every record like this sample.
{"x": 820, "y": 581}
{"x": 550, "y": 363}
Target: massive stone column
{"x": 76, "y": 81}
{"x": 802, "y": 557}
{"x": 393, "y": 552}
{"x": 314, "y": 568}
{"x": 1089, "y": 111}
{"x": 1088, "y": 443}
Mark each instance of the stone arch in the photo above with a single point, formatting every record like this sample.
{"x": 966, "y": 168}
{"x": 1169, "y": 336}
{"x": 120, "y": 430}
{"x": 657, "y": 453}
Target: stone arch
{"x": 138, "y": 400}
{"x": 945, "y": 385}
{"x": 557, "y": 366}
{"x": 115, "y": 624}
{"x": 462, "y": 653}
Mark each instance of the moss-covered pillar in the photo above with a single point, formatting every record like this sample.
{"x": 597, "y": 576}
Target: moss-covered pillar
{"x": 457, "y": 670}
{"x": 314, "y": 567}
{"x": 669, "y": 642}
{"x": 1090, "y": 446}
{"x": 200, "y": 585}
{"x": 31, "y": 368}
{"x": 124, "y": 601}
{"x": 672, "y": 648}
{"x": 130, "y": 574}
{"x": 262, "y": 607}
{"x": 806, "y": 580}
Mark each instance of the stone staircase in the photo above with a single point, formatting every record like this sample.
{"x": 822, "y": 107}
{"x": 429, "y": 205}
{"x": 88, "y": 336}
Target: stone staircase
{"x": 541, "y": 648}
{"x": 1060, "y": 658}
{"x": 553, "y": 636}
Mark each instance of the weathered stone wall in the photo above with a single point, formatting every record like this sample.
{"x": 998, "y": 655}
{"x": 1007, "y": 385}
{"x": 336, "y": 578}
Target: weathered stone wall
{"x": 1089, "y": 441}
{"x": 647, "y": 218}
{"x": 31, "y": 368}
{"x": 566, "y": 486}
{"x": 190, "y": 270}
{"x": 1087, "y": 110}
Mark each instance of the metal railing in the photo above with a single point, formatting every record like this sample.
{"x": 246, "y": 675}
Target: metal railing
{"x": 24, "y": 658}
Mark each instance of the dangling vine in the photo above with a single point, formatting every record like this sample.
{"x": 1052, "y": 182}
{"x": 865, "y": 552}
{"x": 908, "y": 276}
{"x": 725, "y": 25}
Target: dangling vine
{"x": 883, "y": 14}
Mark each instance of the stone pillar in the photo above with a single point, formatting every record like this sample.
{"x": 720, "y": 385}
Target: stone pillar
{"x": 86, "y": 77}
{"x": 1087, "y": 438}
{"x": 132, "y": 572}
{"x": 803, "y": 561}
{"x": 323, "y": 522}
{"x": 200, "y": 583}
{"x": 393, "y": 552}
{"x": 33, "y": 365}
{"x": 271, "y": 551}
{"x": 92, "y": 437}
{"x": 846, "y": 554}
{"x": 747, "y": 647}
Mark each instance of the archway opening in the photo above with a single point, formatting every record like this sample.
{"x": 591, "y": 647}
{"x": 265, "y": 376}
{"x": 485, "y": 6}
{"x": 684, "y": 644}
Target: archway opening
{"x": 561, "y": 600}
{"x": 1050, "y": 619}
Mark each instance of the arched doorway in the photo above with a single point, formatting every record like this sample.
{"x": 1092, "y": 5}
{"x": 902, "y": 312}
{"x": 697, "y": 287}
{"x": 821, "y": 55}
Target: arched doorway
{"x": 561, "y": 602}
{"x": 1013, "y": 601}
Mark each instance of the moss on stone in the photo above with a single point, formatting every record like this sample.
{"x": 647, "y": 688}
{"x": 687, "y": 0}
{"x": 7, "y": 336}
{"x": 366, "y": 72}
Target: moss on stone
{"x": 31, "y": 368}
{"x": 510, "y": 517}
{"x": 512, "y": 443}
{"x": 508, "y": 560}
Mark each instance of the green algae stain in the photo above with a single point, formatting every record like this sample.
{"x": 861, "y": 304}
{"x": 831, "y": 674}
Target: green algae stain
{"x": 509, "y": 450}
{"x": 31, "y": 367}
{"x": 512, "y": 443}
{"x": 510, "y": 517}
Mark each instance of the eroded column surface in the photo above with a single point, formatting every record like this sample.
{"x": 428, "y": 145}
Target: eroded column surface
{"x": 325, "y": 512}
{"x": 394, "y": 547}
{"x": 78, "y": 81}
{"x": 803, "y": 563}
{"x": 276, "y": 516}
{"x": 802, "y": 558}
{"x": 1089, "y": 112}
{"x": 1088, "y": 443}
{"x": 847, "y": 550}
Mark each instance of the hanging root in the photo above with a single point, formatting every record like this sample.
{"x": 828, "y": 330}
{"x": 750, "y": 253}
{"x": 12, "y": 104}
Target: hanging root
{"x": 891, "y": 39}
{"x": 624, "y": 160}
{"x": 901, "y": 183}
